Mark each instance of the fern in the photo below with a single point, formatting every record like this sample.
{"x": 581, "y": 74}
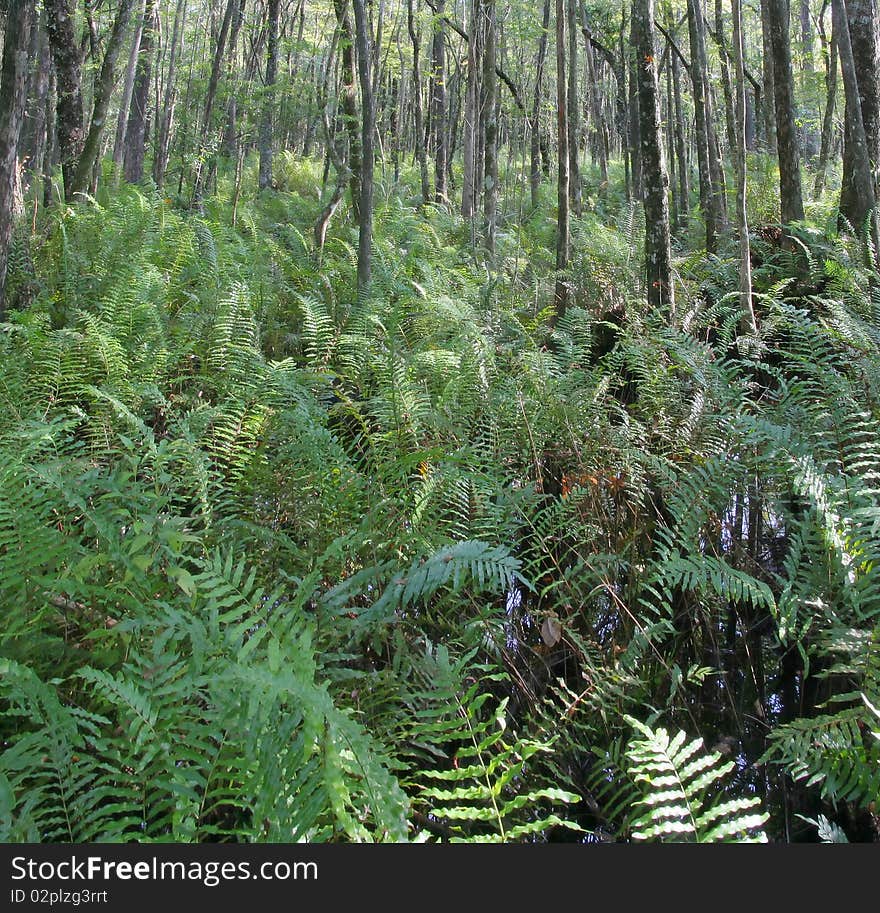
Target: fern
{"x": 679, "y": 777}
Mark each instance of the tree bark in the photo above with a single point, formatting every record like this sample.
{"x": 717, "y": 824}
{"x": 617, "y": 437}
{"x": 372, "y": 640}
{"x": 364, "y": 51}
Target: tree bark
{"x": 82, "y": 177}
{"x": 684, "y": 188}
{"x": 747, "y": 321}
{"x": 490, "y": 125}
{"x": 438, "y": 102}
{"x": 418, "y": 113}
{"x": 729, "y": 113}
{"x": 349, "y": 104}
{"x": 864, "y": 33}
{"x": 34, "y": 133}
{"x": 574, "y": 168}
{"x": 266, "y": 131}
{"x": 860, "y": 193}
{"x": 707, "y": 202}
{"x": 830, "y": 50}
{"x": 136, "y": 131}
{"x": 535, "y": 121}
{"x": 791, "y": 198}
{"x": 210, "y": 96}
{"x": 563, "y": 231}
{"x": 769, "y": 109}
{"x": 634, "y": 119}
{"x": 658, "y": 248}
{"x": 165, "y": 116}
{"x": 69, "y": 105}
{"x": 128, "y": 89}
{"x": 471, "y": 116}
{"x": 368, "y": 120}
{"x": 13, "y": 93}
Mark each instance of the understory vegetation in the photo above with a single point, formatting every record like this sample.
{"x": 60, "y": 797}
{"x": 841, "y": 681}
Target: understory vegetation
{"x": 281, "y": 562}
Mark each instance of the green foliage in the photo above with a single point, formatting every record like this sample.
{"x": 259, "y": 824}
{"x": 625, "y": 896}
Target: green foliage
{"x": 679, "y": 777}
{"x": 277, "y": 563}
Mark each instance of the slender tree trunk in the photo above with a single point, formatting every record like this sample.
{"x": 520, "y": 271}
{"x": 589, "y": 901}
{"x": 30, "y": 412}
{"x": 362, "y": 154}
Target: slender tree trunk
{"x": 635, "y": 122}
{"x": 707, "y": 203}
{"x": 574, "y": 168}
{"x": 136, "y": 131}
{"x": 769, "y": 109}
{"x": 418, "y": 113}
{"x": 13, "y": 93}
{"x": 658, "y": 249}
{"x": 471, "y": 116}
{"x": 349, "y": 103}
{"x": 266, "y": 132}
{"x": 860, "y": 194}
{"x": 747, "y": 321}
{"x": 729, "y": 113}
{"x": 490, "y": 124}
{"x": 563, "y": 233}
{"x": 34, "y": 139}
{"x": 69, "y": 105}
{"x": 792, "y": 203}
{"x": 210, "y": 96}
{"x": 670, "y": 147}
{"x": 828, "y": 119}
{"x": 684, "y": 188}
{"x": 165, "y": 116}
{"x": 127, "y": 90}
{"x": 368, "y": 121}
{"x": 864, "y": 33}
{"x": 438, "y": 101}
{"x": 595, "y": 101}
{"x": 82, "y": 177}
{"x": 230, "y": 134}
{"x": 51, "y": 158}
{"x": 535, "y": 139}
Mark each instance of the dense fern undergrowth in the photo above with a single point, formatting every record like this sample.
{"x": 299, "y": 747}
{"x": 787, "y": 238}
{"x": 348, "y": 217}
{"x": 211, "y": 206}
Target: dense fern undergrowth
{"x": 279, "y": 564}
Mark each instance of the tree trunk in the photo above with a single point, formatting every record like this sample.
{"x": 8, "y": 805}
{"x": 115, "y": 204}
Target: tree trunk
{"x": 634, "y": 137}
{"x": 82, "y": 177}
{"x": 563, "y": 232}
{"x": 13, "y": 93}
{"x": 574, "y": 168}
{"x": 729, "y": 113}
{"x": 655, "y": 182}
{"x": 860, "y": 193}
{"x": 349, "y": 104}
{"x": 829, "y": 49}
{"x": 418, "y": 113}
{"x": 438, "y": 102}
{"x": 471, "y": 116}
{"x": 707, "y": 204}
{"x": 368, "y": 120}
{"x": 864, "y": 33}
{"x": 769, "y": 110}
{"x": 165, "y": 116}
{"x": 791, "y": 198}
{"x": 490, "y": 124}
{"x": 34, "y": 134}
{"x": 535, "y": 144}
{"x": 684, "y": 188}
{"x": 266, "y": 132}
{"x": 128, "y": 89}
{"x": 595, "y": 101}
{"x": 69, "y": 105}
{"x": 210, "y": 95}
{"x": 747, "y": 321}
{"x": 136, "y": 131}
{"x": 230, "y": 143}
{"x": 51, "y": 158}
